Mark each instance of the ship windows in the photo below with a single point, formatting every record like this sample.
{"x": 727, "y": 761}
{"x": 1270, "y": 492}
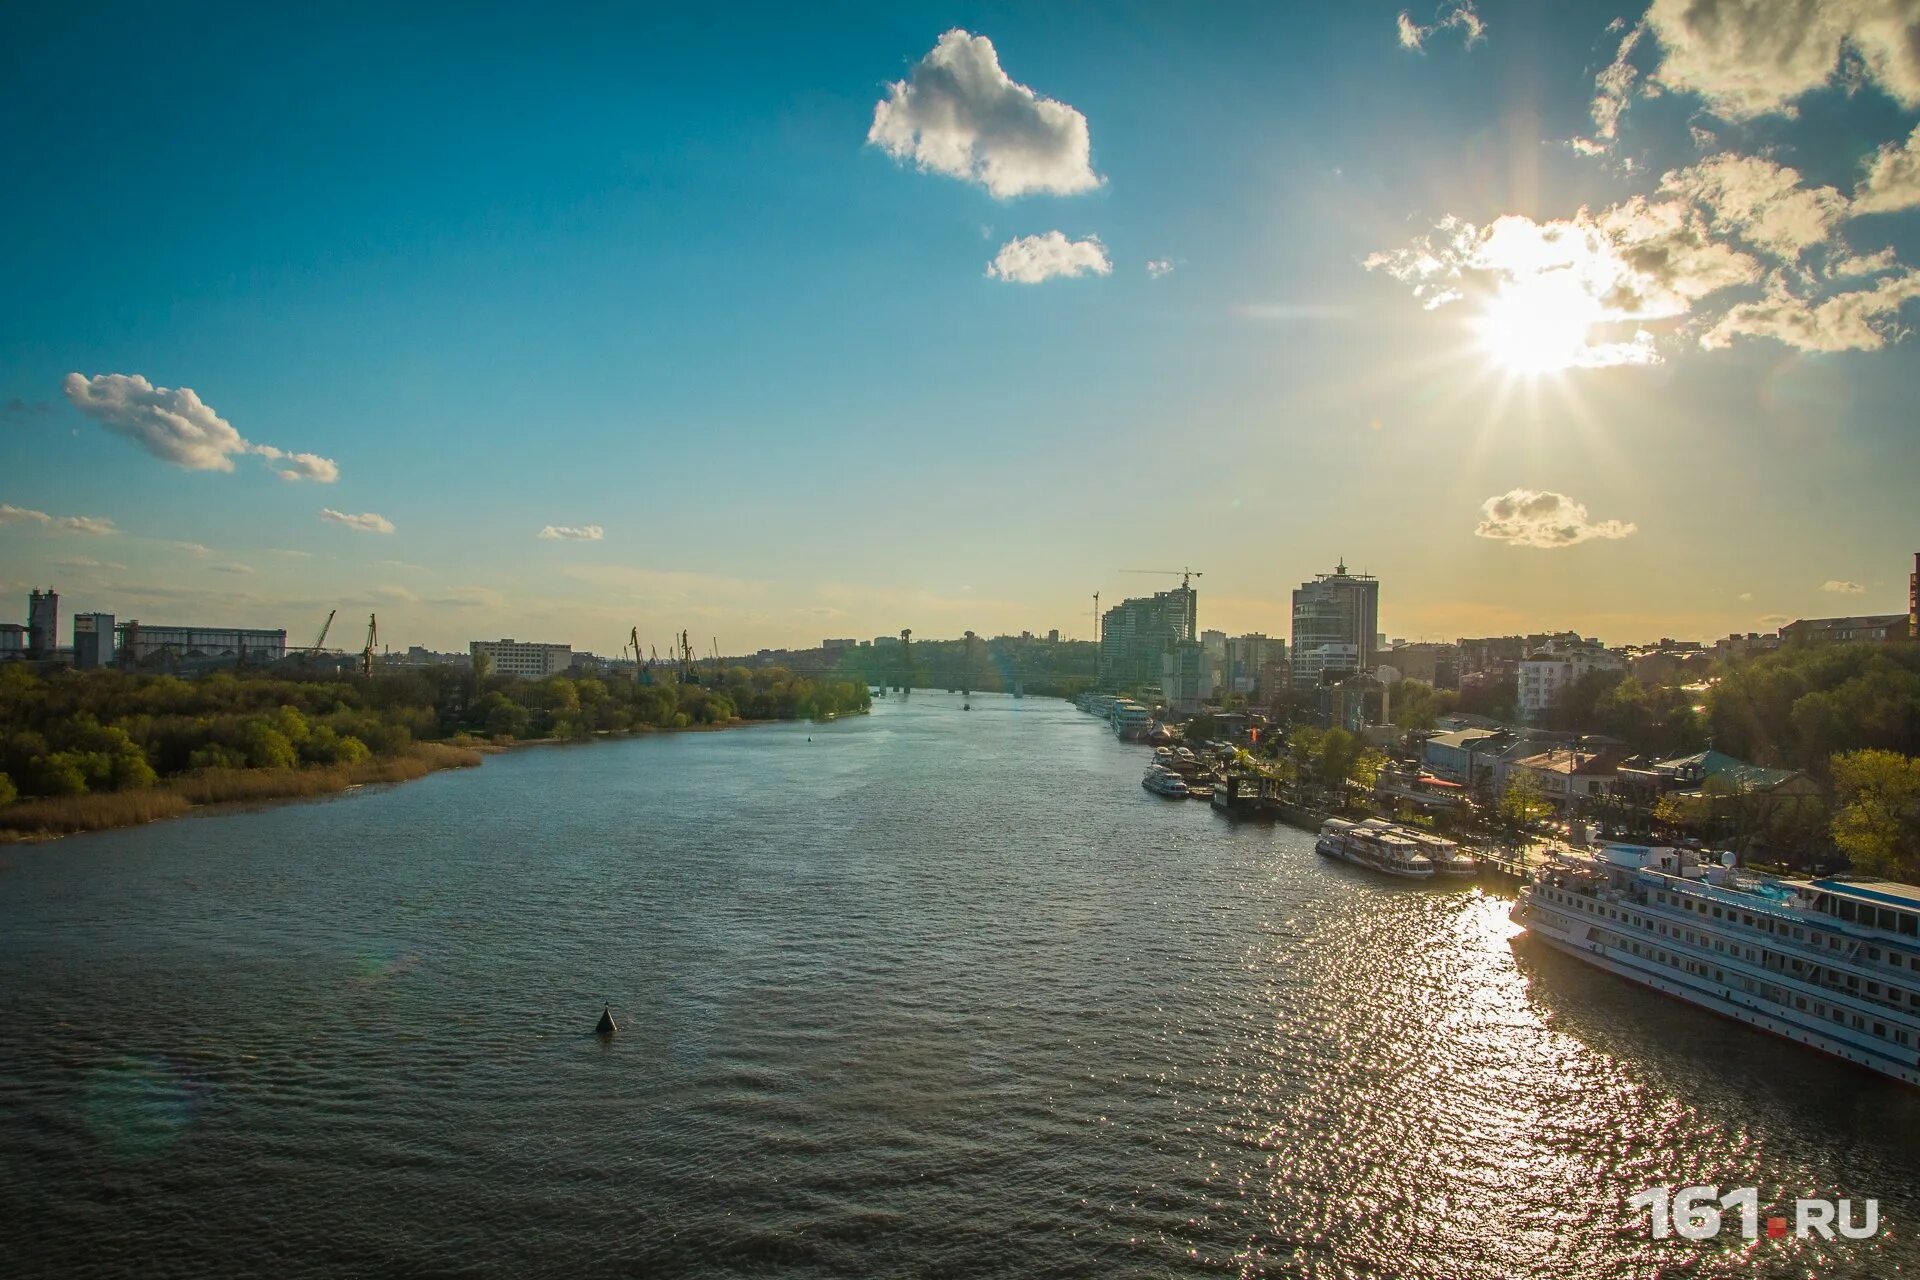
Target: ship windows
{"x": 1799, "y": 1002}
{"x": 1880, "y": 1029}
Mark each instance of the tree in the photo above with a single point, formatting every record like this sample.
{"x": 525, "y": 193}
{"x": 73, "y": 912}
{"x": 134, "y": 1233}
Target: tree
{"x": 1522, "y": 802}
{"x": 1416, "y": 706}
{"x": 1876, "y": 820}
{"x": 8, "y": 792}
{"x": 1366, "y": 768}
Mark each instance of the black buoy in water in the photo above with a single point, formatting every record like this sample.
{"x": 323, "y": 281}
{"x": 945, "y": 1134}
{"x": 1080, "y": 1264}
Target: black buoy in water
{"x": 607, "y": 1026}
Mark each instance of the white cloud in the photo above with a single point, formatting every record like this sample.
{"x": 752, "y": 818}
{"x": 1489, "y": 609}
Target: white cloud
{"x": 1031, "y": 259}
{"x": 232, "y": 568}
{"x": 1859, "y": 320}
{"x": 1542, "y": 518}
{"x": 1746, "y": 597}
{"x": 175, "y": 425}
{"x": 1893, "y": 178}
{"x": 468, "y": 598}
{"x": 300, "y": 466}
{"x": 959, "y": 114}
{"x": 1761, "y": 202}
{"x": 575, "y": 533}
{"x": 1842, "y": 588}
{"x": 1612, "y": 91}
{"x": 1158, "y": 267}
{"x": 1864, "y": 264}
{"x": 1461, "y": 15}
{"x": 366, "y": 522}
{"x": 10, "y": 514}
{"x": 1754, "y": 57}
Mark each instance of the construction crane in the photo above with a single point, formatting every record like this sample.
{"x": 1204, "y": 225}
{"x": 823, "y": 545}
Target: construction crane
{"x": 687, "y": 673}
{"x": 320, "y": 641}
{"x": 1185, "y": 574}
{"x": 639, "y": 659}
{"x": 373, "y": 640}
{"x": 1099, "y": 657}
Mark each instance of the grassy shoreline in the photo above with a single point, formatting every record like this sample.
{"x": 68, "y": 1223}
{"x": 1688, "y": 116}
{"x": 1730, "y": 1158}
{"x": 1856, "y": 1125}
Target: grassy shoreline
{"x": 211, "y": 790}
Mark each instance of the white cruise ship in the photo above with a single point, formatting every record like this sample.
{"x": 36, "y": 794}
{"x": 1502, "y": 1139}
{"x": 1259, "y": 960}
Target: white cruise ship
{"x": 1130, "y": 720}
{"x": 1833, "y": 964}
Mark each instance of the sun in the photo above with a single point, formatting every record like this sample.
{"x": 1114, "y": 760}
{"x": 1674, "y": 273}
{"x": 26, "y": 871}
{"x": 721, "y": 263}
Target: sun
{"x": 1538, "y": 327}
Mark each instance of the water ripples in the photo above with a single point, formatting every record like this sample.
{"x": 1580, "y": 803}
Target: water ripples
{"x": 936, "y": 993}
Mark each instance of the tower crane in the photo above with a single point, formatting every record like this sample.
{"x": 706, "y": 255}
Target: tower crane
{"x": 1185, "y": 574}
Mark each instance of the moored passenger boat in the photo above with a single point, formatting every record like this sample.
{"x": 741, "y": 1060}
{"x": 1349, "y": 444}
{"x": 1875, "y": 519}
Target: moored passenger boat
{"x": 1449, "y": 860}
{"x": 1377, "y": 850}
{"x": 1831, "y": 964}
{"x": 1165, "y": 782}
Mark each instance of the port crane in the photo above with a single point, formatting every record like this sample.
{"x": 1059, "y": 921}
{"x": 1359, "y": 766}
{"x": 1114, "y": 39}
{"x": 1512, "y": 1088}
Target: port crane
{"x": 373, "y": 640}
{"x": 688, "y": 675}
{"x": 320, "y": 641}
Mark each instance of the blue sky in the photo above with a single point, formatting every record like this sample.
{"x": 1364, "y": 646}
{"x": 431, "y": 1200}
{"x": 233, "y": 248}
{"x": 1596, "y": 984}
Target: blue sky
{"x": 506, "y": 269}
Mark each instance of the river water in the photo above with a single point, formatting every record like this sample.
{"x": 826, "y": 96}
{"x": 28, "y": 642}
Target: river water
{"x": 928, "y": 992}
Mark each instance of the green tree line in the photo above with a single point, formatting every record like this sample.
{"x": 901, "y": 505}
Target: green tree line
{"x": 74, "y": 733}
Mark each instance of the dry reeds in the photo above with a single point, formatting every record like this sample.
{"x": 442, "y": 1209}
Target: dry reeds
{"x": 67, "y": 814}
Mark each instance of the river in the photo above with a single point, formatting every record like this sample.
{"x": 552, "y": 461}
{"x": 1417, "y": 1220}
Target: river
{"x": 926, "y": 992}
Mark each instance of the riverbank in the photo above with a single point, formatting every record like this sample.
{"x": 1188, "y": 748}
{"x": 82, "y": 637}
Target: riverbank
{"x": 213, "y": 790}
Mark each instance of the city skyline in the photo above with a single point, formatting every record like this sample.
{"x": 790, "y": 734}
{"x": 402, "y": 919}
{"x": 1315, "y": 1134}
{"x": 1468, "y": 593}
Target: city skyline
{"x": 774, "y": 333}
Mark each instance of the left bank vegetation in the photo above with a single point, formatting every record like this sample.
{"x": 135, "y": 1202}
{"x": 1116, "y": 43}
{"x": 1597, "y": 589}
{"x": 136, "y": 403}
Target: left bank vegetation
{"x": 88, "y": 750}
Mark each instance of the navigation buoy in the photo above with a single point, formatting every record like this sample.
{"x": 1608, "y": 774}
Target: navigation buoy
{"x": 607, "y": 1025}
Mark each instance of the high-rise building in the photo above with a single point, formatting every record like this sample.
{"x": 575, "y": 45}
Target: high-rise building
{"x": 1186, "y": 677}
{"x": 43, "y": 623}
{"x": 1339, "y": 613}
{"x": 1135, "y": 633}
{"x": 92, "y": 639}
{"x": 1247, "y": 656}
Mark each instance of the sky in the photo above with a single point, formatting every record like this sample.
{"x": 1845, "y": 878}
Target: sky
{"x": 792, "y": 322}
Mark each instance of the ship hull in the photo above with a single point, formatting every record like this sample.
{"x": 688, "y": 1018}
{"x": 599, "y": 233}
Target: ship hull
{"x": 1568, "y": 936}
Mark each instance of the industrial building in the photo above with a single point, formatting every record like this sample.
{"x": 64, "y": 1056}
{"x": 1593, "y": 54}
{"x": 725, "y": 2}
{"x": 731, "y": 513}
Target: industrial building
{"x": 523, "y": 658}
{"x": 43, "y": 623}
{"x": 93, "y": 640}
{"x": 142, "y": 645}
{"x": 1336, "y": 621}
